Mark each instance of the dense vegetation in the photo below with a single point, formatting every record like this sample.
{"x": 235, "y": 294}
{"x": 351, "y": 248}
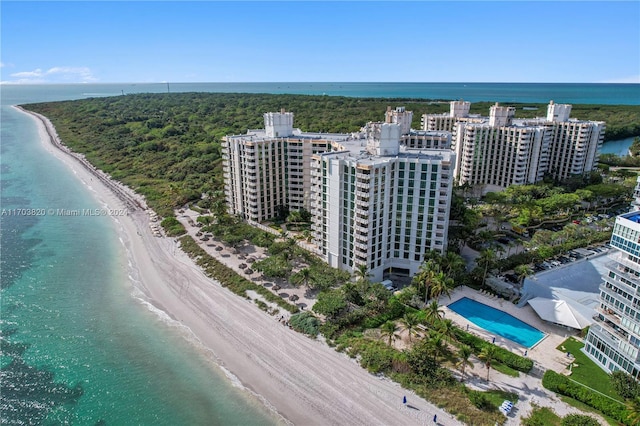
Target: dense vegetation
{"x": 167, "y": 146}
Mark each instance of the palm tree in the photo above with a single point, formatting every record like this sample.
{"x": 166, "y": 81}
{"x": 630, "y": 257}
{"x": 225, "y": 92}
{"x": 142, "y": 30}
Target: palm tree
{"x": 436, "y": 345}
{"x": 433, "y": 312}
{"x": 440, "y": 284}
{"x": 409, "y": 322}
{"x": 453, "y": 264}
{"x": 522, "y": 271}
{"x": 464, "y": 353}
{"x": 633, "y": 411}
{"x": 447, "y": 330}
{"x": 362, "y": 273}
{"x": 486, "y": 261}
{"x": 488, "y": 355}
{"x": 389, "y": 330}
{"x": 302, "y": 277}
{"x": 426, "y": 275}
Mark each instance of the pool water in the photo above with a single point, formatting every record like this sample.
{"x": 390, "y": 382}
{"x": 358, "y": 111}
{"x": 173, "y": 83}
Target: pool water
{"x": 497, "y": 322}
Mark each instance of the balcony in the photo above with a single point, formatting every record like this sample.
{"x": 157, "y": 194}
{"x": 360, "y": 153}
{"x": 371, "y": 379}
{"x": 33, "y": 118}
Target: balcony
{"x": 362, "y": 247}
{"x": 610, "y": 331}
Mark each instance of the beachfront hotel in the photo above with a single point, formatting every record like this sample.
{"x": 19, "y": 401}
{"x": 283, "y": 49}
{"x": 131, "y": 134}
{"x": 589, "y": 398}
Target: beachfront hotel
{"x": 379, "y": 197}
{"x": 497, "y": 151}
{"x": 613, "y": 341}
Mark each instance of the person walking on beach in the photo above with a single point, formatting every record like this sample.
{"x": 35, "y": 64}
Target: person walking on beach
{"x": 404, "y": 400}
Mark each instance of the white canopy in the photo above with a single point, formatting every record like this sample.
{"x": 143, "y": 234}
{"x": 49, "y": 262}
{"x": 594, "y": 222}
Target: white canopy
{"x": 560, "y": 312}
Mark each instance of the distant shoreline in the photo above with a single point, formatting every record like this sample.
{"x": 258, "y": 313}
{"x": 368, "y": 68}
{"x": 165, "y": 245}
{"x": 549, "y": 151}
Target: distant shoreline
{"x": 522, "y": 93}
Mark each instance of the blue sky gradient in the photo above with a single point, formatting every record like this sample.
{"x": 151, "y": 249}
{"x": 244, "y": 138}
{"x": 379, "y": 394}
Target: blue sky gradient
{"x": 478, "y": 41}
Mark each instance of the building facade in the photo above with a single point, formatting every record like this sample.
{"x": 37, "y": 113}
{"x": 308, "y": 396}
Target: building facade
{"x": 266, "y": 171}
{"x": 613, "y": 341}
{"x": 380, "y": 197}
{"x": 575, "y": 144}
{"x": 384, "y": 211}
{"x": 458, "y": 111}
{"x": 497, "y": 151}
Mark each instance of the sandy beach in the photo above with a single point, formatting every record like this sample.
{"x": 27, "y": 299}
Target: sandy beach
{"x": 303, "y": 380}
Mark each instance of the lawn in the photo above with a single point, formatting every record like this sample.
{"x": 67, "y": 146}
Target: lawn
{"x": 587, "y": 372}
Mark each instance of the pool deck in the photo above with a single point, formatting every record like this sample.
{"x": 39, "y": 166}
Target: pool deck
{"x": 544, "y": 353}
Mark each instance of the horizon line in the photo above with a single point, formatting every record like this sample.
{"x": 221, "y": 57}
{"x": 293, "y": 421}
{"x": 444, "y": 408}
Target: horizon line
{"x": 19, "y": 83}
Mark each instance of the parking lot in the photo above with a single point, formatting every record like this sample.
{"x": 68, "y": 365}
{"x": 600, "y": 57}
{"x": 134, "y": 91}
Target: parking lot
{"x": 577, "y": 276}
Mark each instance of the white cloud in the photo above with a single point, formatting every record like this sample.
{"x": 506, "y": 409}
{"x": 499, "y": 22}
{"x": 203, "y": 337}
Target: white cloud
{"x": 28, "y": 74}
{"x": 54, "y": 75}
{"x": 630, "y": 79}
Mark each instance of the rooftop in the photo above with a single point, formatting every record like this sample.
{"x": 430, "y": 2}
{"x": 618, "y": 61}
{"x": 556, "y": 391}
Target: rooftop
{"x": 356, "y": 149}
{"x": 632, "y": 216}
{"x": 261, "y": 134}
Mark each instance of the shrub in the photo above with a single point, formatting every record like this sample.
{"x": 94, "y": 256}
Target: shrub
{"x": 579, "y": 420}
{"x": 480, "y": 400}
{"x": 563, "y": 385}
{"x": 375, "y": 356}
{"x": 305, "y": 322}
{"x": 261, "y": 305}
{"x": 625, "y": 385}
{"x": 509, "y": 359}
{"x": 172, "y": 226}
{"x": 394, "y": 310}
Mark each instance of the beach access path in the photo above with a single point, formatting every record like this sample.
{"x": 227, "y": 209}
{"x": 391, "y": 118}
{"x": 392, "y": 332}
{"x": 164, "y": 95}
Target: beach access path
{"x": 303, "y": 380}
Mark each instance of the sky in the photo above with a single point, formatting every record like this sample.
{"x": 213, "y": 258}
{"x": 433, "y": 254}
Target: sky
{"x": 319, "y": 41}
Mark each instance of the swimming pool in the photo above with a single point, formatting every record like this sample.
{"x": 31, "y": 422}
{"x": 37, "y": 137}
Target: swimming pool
{"x": 497, "y": 322}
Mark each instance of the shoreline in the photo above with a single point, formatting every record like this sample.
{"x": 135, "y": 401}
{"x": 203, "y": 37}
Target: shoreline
{"x": 303, "y": 381}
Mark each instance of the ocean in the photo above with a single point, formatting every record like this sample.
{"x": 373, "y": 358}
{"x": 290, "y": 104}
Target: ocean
{"x": 78, "y": 346}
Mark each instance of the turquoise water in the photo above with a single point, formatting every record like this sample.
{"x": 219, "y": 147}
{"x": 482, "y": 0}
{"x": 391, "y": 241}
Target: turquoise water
{"x": 77, "y": 346}
{"x": 497, "y": 322}
{"x": 608, "y": 94}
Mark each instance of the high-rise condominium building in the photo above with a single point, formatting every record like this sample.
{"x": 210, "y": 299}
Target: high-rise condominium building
{"x": 267, "y": 170}
{"x": 613, "y": 341}
{"x": 497, "y": 151}
{"x": 458, "y": 111}
{"x": 379, "y": 197}
{"x": 575, "y": 144}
